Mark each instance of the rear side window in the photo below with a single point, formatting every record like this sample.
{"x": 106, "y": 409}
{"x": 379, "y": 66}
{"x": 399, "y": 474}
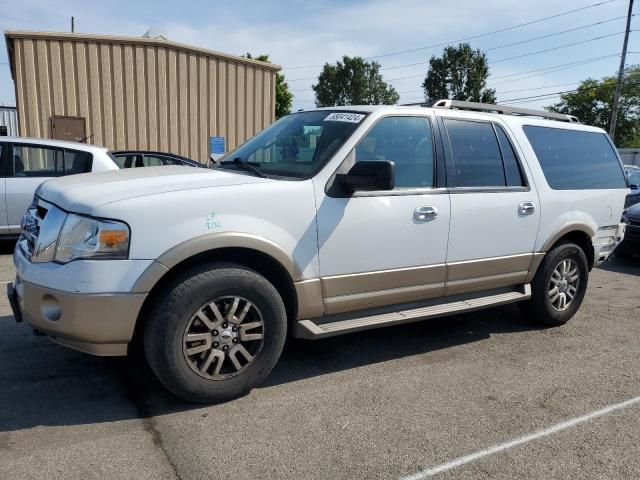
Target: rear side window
{"x": 36, "y": 161}
{"x": 575, "y": 160}
{"x": 477, "y": 161}
{"x": 512, "y": 170}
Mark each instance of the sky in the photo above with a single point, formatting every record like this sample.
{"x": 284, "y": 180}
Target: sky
{"x": 300, "y": 33}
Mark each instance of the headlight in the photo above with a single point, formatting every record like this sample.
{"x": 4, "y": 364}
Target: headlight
{"x": 86, "y": 237}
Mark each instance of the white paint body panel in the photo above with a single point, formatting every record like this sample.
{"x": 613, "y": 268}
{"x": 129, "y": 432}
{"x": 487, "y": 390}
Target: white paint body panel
{"x": 4, "y": 223}
{"x": 366, "y": 234}
{"x": 488, "y": 225}
{"x": 327, "y": 236}
{"x": 19, "y": 190}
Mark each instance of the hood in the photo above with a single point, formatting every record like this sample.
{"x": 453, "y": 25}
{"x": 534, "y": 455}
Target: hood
{"x": 85, "y": 192}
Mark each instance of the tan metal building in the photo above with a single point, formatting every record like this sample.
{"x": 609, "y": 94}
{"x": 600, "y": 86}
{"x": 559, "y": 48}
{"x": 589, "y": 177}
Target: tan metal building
{"x": 137, "y": 93}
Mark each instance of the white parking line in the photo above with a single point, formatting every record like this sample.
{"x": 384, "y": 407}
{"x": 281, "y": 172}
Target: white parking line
{"x": 430, "y": 472}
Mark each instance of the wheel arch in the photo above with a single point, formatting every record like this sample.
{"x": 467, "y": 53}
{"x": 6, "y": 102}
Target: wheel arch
{"x": 262, "y": 255}
{"x": 578, "y": 233}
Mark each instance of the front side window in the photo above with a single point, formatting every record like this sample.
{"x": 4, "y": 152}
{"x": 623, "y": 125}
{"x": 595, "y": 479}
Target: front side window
{"x": 477, "y": 161}
{"x": 297, "y": 145}
{"x": 575, "y": 159}
{"x": 406, "y": 141}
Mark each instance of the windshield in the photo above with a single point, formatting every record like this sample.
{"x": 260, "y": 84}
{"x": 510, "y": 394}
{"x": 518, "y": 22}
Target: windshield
{"x": 297, "y": 145}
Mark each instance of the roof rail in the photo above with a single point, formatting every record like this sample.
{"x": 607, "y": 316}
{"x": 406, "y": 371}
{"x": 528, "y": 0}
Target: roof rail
{"x": 502, "y": 109}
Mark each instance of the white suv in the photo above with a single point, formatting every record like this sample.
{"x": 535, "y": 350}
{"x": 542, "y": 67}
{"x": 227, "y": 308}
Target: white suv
{"x": 330, "y": 221}
{"x": 26, "y": 162}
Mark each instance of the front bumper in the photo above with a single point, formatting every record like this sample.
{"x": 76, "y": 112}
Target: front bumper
{"x": 99, "y": 324}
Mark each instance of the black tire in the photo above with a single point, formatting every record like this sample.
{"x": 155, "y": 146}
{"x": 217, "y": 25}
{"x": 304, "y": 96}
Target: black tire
{"x": 539, "y": 308}
{"x": 173, "y": 311}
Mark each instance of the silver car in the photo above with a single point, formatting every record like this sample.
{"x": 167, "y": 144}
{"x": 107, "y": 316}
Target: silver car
{"x": 26, "y": 162}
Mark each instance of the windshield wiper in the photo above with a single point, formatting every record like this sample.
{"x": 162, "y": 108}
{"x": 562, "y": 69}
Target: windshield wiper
{"x": 249, "y": 166}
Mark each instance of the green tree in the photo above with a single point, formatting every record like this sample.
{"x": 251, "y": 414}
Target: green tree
{"x": 459, "y": 74}
{"x": 592, "y": 103}
{"x": 284, "y": 97}
{"x": 353, "y": 81}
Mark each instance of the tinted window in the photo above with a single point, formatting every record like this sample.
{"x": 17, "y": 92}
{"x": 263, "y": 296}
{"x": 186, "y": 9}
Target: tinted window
{"x": 511, "y": 167}
{"x": 76, "y": 162}
{"x": 574, "y": 160}
{"x": 476, "y": 156}
{"x": 36, "y": 161}
{"x": 406, "y": 141}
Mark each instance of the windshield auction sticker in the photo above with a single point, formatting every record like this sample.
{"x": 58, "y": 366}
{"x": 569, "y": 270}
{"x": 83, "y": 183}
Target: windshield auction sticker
{"x": 344, "y": 117}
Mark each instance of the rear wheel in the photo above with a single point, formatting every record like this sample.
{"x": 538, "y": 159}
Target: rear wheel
{"x": 215, "y": 332}
{"x": 559, "y": 285}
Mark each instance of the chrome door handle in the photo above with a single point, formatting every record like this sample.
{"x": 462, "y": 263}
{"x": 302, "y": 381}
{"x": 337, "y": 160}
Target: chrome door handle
{"x": 526, "y": 208}
{"x": 424, "y": 214}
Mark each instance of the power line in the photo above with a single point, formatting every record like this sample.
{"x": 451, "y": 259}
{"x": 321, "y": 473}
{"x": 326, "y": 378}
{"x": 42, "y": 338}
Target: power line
{"x": 568, "y": 12}
{"x": 512, "y": 91}
{"x": 551, "y": 69}
{"x": 558, "y": 47}
{"x": 552, "y": 94}
{"x": 561, "y": 66}
{"x": 527, "y": 41}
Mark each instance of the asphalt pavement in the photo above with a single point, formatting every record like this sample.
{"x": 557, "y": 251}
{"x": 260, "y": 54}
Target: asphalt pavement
{"x": 480, "y": 395}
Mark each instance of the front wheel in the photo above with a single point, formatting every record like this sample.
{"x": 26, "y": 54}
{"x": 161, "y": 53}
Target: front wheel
{"x": 215, "y": 332}
{"x": 559, "y": 285}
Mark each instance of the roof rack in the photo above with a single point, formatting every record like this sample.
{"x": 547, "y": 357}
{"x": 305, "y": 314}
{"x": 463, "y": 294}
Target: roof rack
{"x": 502, "y": 109}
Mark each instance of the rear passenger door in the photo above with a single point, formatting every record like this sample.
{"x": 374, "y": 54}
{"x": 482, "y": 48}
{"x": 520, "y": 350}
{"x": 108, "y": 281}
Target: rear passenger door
{"x": 495, "y": 213}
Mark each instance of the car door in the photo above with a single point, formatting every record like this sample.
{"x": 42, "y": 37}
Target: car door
{"x": 4, "y": 223}
{"x": 386, "y": 247}
{"x": 29, "y": 165}
{"x": 495, "y": 212}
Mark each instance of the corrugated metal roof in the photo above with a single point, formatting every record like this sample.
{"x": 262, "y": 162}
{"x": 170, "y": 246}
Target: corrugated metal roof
{"x": 9, "y": 118}
{"x": 142, "y": 41}
{"x": 138, "y": 93}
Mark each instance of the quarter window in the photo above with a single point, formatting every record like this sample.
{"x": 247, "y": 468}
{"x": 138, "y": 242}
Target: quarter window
{"x": 407, "y": 141}
{"x": 477, "y": 161}
{"x": 575, "y": 159}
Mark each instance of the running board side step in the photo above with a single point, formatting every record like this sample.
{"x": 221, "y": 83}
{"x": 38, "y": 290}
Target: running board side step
{"x": 311, "y": 330}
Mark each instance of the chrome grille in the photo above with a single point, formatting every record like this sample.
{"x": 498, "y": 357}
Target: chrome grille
{"x": 31, "y": 223}
{"x": 41, "y": 225}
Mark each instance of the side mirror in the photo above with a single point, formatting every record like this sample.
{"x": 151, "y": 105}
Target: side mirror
{"x": 370, "y": 175}
{"x": 633, "y": 186}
